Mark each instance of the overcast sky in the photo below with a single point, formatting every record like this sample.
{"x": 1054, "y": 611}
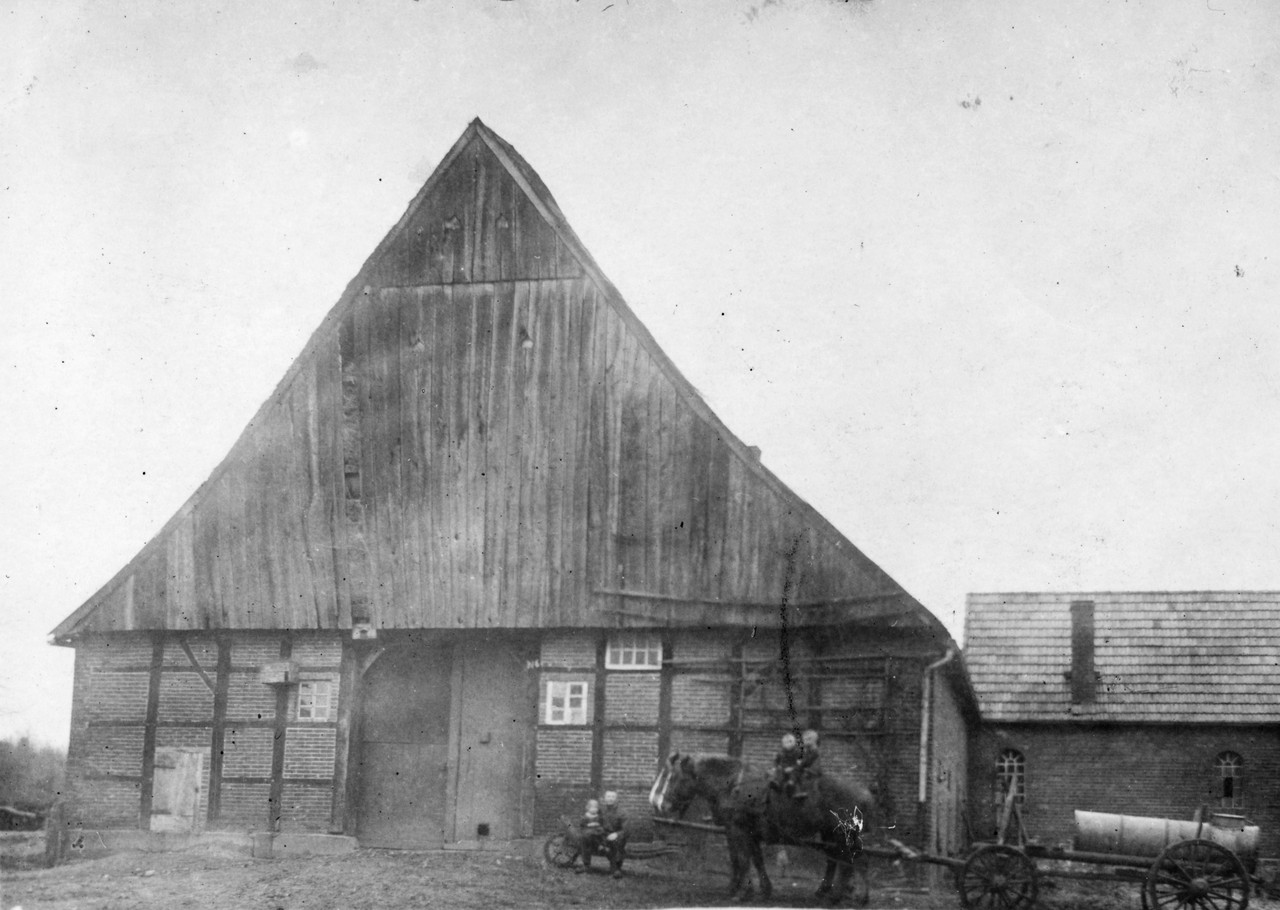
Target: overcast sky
{"x": 994, "y": 286}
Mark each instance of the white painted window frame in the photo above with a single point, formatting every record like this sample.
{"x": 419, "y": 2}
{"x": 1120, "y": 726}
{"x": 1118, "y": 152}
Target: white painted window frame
{"x": 567, "y": 702}
{"x": 1011, "y": 766}
{"x": 634, "y": 651}
{"x": 315, "y": 701}
{"x": 1230, "y": 766}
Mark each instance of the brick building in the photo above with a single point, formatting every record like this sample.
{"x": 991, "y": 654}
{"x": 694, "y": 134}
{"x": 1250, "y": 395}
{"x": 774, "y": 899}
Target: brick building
{"x": 1150, "y": 704}
{"x": 484, "y": 552}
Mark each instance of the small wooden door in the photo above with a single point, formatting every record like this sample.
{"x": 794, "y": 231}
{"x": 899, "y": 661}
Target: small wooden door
{"x": 404, "y": 749}
{"x": 175, "y": 792}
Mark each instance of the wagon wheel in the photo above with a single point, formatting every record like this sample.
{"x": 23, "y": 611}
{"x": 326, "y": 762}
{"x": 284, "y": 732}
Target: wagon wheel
{"x": 559, "y": 852}
{"x": 1195, "y": 874}
{"x": 997, "y": 877}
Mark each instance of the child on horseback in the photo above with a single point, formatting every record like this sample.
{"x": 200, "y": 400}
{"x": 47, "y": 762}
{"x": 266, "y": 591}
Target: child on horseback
{"x": 807, "y": 768}
{"x": 785, "y": 765}
{"x": 795, "y": 762}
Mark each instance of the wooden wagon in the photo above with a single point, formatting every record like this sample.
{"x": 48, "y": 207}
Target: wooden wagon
{"x": 1180, "y": 865}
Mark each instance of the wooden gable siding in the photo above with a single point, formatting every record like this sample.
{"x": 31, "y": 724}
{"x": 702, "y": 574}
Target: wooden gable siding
{"x": 259, "y": 546}
{"x": 478, "y": 225}
{"x": 507, "y": 486}
{"x": 480, "y": 434}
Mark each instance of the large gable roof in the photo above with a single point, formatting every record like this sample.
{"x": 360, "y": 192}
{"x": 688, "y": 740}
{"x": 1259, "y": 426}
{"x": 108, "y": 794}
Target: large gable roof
{"x": 481, "y": 253}
{"x": 1160, "y": 657}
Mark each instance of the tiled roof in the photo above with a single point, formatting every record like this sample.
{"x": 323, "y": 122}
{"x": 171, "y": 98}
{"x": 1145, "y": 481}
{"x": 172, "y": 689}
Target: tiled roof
{"x": 1162, "y": 657}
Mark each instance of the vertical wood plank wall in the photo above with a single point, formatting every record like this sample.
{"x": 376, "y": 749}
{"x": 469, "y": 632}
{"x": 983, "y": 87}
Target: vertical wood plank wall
{"x": 507, "y": 444}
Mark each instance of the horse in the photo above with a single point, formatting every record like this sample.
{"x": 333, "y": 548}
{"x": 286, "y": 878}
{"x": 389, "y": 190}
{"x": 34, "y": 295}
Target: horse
{"x": 751, "y": 813}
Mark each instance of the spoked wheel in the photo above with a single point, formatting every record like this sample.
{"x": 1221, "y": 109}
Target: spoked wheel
{"x": 1197, "y": 875}
{"x": 998, "y": 877}
{"x": 559, "y": 852}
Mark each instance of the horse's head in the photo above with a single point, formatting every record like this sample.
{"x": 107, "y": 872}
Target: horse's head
{"x": 675, "y": 786}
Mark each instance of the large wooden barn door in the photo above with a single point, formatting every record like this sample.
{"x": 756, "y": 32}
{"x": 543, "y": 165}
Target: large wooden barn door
{"x": 404, "y": 749}
{"x": 495, "y": 705}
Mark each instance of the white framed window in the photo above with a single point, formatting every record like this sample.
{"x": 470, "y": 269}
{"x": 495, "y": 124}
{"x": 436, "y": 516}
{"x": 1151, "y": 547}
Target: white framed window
{"x": 566, "y": 702}
{"x": 1230, "y": 780}
{"x": 1011, "y": 778}
{"x": 634, "y": 651}
{"x": 315, "y": 700}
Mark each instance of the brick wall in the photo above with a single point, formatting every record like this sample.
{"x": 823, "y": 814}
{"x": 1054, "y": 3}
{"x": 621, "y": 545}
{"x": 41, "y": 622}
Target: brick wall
{"x": 631, "y": 699}
{"x": 629, "y": 758}
{"x": 108, "y": 804}
{"x": 699, "y": 701}
{"x": 305, "y": 807}
{"x": 309, "y": 752}
{"x": 570, "y": 650}
{"x": 249, "y": 699}
{"x": 251, "y": 651}
{"x": 108, "y": 715}
{"x": 117, "y": 695}
{"x": 117, "y": 653}
{"x": 317, "y": 652}
{"x": 1144, "y": 770}
{"x": 246, "y": 752}
{"x": 564, "y": 756}
{"x": 112, "y": 750}
{"x": 184, "y": 697}
{"x": 203, "y": 647}
{"x": 699, "y": 741}
{"x": 245, "y": 806}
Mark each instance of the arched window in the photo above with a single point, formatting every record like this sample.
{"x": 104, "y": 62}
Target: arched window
{"x": 1011, "y": 777}
{"x": 1230, "y": 782}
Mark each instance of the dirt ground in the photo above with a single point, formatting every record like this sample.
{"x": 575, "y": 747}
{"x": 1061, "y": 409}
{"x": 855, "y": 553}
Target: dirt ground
{"x": 225, "y": 879}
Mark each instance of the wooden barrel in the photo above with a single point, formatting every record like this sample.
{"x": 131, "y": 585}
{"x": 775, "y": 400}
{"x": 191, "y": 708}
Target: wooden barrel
{"x": 1134, "y": 835}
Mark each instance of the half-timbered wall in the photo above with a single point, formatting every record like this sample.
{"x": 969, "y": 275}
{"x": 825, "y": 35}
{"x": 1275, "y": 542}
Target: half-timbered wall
{"x": 264, "y": 767}
{"x": 732, "y": 692}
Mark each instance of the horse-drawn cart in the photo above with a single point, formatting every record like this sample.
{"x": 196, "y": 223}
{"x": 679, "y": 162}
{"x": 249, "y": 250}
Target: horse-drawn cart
{"x": 1180, "y": 865}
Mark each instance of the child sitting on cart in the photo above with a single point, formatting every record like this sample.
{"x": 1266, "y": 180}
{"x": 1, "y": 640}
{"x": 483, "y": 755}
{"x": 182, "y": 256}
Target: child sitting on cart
{"x": 603, "y": 832}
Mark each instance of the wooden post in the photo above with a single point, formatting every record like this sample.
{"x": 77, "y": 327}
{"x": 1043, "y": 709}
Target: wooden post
{"x": 665, "y": 679}
{"x": 149, "y": 732}
{"x": 349, "y": 678}
{"x": 275, "y": 801}
{"x": 597, "y": 724}
{"x": 222, "y": 687}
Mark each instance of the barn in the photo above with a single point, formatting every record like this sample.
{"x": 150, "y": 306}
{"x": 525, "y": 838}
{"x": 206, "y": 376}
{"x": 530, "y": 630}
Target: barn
{"x": 483, "y": 553}
{"x": 1159, "y": 704}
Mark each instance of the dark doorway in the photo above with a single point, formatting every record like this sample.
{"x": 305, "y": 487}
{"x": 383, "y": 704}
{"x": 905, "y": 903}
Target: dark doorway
{"x": 404, "y": 749}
